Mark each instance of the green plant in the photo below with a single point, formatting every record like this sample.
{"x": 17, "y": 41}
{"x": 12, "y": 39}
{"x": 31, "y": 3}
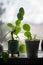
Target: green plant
{"x": 5, "y": 57}
{"x": 16, "y": 28}
{"x": 22, "y": 48}
{"x": 27, "y": 32}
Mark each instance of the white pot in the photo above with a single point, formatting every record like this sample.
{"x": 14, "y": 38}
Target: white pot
{"x": 22, "y": 55}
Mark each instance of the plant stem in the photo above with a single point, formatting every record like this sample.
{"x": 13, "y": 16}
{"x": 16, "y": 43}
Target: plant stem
{"x": 12, "y": 35}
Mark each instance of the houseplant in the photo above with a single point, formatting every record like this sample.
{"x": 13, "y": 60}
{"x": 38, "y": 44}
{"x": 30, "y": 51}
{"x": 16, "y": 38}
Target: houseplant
{"x": 32, "y": 44}
{"x": 22, "y": 50}
{"x": 5, "y": 57}
{"x": 15, "y": 30}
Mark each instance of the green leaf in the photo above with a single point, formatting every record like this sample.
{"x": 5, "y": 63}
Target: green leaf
{"x": 26, "y": 27}
{"x": 17, "y": 30}
{"x": 10, "y": 25}
{"x": 18, "y": 22}
{"x": 19, "y": 16}
{"x": 21, "y": 10}
{"x": 28, "y": 35}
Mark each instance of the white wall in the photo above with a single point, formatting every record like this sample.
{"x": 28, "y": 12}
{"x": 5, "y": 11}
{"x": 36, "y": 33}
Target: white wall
{"x": 37, "y": 29}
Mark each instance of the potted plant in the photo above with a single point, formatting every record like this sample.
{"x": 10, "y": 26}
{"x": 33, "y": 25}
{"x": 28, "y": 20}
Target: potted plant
{"x": 5, "y": 57}
{"x": 22, "y": 50}
{"x": 13, "y": 42}
{"x": 32, "y": 44}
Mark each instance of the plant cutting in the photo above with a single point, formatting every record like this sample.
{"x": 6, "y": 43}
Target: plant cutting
{"x": 15, "y": 30}
{"x": 32, "y": 43}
